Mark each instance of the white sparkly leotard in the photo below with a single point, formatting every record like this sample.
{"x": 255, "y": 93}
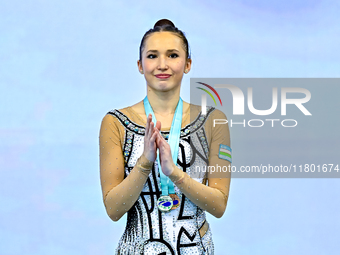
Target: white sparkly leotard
{"x": 148, "y": 230}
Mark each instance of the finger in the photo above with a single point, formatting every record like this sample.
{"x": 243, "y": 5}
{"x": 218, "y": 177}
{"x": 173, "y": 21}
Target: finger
{"x": 157, "y": 137}
{"x": 158, "y": 125}
{"x": 154, "y": 136}
{"x": 160, "y": 139}
{"x": 147, "y": 125}
{"x": 152, "y": 127}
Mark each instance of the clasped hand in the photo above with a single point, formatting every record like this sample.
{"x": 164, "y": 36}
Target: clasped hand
{"x": 153, "y": 140}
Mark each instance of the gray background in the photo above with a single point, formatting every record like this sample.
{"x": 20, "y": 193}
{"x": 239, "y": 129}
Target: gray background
{"x": 314, "y": 140}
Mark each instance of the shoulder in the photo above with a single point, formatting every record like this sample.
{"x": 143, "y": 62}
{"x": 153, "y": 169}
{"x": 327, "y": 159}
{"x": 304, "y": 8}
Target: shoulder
{"x": 113, "y": 116}
{"x": 120, "y": 113}
{"x": 208, "y": 120}
{"x": 115, "y": 110}
{"x": 211, "y": 113}
{"x": 217, "y": 114}
{"x": 122, "y": 116}
{"x": 109, "y": 120}
{"x": 193, "y": 107}
{"x": 195, "y": 111}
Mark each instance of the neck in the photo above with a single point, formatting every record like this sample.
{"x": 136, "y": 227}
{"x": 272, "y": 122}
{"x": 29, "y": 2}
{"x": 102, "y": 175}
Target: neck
{"x": 163, "y": 102}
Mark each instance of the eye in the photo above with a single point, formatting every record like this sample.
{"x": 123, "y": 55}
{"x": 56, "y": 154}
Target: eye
{"x": 151, "y": 56}
{"x": 174, "y": 54}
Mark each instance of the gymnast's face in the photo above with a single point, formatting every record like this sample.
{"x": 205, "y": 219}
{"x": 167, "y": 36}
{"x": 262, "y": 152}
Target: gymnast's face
{"x": 163, "y": 54}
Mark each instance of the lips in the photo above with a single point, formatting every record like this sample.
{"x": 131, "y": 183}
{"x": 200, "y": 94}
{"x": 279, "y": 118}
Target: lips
{"x": 163, "y": 76}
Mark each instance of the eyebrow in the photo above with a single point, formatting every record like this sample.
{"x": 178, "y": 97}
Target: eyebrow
{"x": 170, "y": 50}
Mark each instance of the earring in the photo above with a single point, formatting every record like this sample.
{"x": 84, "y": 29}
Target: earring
{"x": 141, "y": 72}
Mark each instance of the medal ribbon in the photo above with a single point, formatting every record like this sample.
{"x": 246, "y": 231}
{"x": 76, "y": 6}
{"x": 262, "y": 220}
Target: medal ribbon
{"x": 167, "y": 185}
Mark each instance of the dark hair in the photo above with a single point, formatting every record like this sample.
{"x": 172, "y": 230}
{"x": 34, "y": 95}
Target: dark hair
{"x": 165, "y": 25}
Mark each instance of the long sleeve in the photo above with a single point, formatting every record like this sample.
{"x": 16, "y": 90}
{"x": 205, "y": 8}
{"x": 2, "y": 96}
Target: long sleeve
{"x": 119, "y": 194}
{"x": 212, "y": 198}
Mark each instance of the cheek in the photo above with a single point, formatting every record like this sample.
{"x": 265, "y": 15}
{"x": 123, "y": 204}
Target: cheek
{"x": 148, "y": 65}
{"x": 179, "y": 66}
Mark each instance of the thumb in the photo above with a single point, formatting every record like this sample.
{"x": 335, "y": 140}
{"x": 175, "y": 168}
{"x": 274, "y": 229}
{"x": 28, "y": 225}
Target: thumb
{"x": 158, "y": 139}
{"x": 158, "y": 125}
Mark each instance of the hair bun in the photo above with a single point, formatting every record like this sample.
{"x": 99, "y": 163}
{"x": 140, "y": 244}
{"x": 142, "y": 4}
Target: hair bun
{"x": 164, "y": 22}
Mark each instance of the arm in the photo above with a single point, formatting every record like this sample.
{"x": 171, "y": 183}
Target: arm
{"x": 212, "y": 198}
{"x": 119, "y": 194}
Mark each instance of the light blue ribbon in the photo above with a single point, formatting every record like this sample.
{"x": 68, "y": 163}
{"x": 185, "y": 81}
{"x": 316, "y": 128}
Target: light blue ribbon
{"x": 167, "y": 185}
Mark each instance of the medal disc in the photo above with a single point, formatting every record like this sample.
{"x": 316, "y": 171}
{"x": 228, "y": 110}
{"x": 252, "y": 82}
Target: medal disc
{"x": 164, "y": 203}
{"x": 175, "y": 201}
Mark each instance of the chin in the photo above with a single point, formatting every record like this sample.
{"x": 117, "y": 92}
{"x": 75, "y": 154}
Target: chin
{"x": 163, "y": 86}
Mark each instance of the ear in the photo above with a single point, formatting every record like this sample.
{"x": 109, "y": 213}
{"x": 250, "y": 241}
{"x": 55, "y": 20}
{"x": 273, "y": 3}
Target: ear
{"x": 140, "y": 67}
{"x": 188, "y": 65}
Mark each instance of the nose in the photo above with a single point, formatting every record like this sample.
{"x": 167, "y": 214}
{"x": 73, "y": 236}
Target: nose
{"x": 162, "y": 63}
